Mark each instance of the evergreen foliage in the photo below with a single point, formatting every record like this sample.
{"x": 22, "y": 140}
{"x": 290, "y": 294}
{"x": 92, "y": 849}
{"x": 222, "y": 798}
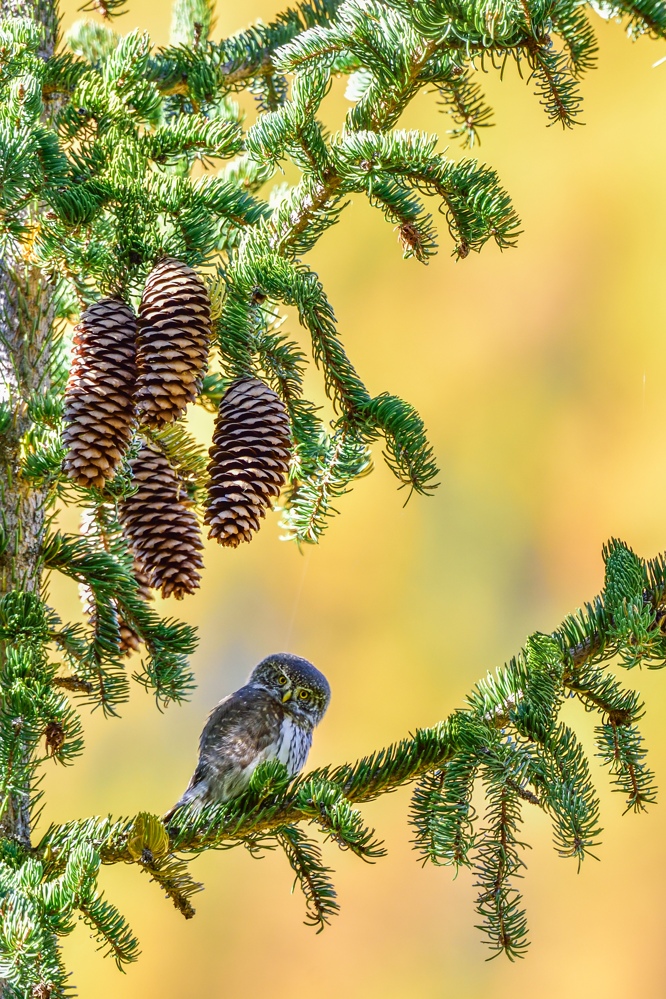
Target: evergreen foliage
{"x": 115, "y": 155}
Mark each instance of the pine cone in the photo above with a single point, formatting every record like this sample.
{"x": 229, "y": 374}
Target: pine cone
{"x": 249, "y": 460}
{"x": 99, "y": 401}
{"x": 128, "y": 637}
{"x": 162, "y": 532}
{"x": 129, "y": 640}
{"x": 89, "y": 528}
{"x": 174, "y": 335}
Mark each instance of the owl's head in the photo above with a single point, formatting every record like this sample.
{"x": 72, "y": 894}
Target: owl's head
{"x": 295, "y": 682}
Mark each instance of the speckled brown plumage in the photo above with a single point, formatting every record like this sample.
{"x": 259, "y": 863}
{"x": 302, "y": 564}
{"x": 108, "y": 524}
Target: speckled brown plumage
{"x": 249, "y": 460}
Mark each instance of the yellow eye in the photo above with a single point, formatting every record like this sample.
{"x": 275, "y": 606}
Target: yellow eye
{"x": 304, "y": 694}
{"x": 282, "y": 680}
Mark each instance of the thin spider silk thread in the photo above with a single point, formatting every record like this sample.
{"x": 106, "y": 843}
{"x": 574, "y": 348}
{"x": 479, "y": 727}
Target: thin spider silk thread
{"x": 297, "y": 598}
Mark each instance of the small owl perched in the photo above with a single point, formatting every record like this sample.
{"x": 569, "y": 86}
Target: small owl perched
{"x": 271, "y": 718}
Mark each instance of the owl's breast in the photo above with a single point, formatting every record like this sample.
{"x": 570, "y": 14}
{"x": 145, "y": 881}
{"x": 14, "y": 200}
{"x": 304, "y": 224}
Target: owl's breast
{"x": 293, "y": 745}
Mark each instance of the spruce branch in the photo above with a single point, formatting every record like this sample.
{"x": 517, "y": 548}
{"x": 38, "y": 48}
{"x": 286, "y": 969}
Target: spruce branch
{"x": 304, "y": 857}
{"x": 442, "y": 813}
{"x": 498, "y": 862}
{"x": 109, "y": 576}
{"x": 509, "y": 736}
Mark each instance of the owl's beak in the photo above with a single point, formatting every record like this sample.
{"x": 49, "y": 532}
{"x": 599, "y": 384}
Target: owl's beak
{"x": 286, "y": 696}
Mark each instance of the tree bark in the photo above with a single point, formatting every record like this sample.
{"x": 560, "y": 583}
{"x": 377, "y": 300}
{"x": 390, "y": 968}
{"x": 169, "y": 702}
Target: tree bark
{"x": 26, "y": 320}
{"x": 44, "y": 12}
{"x": 26, "y": 317}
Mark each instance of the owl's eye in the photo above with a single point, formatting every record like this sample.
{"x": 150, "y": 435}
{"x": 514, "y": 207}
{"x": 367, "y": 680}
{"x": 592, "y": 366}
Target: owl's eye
{"x": 304, "y": 694}
{"x": 282, "y": 680}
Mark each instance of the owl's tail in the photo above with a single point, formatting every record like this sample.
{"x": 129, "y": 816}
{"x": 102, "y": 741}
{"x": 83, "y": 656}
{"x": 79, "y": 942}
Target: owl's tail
{"x": 166, "y": 818}
{"x": 196, "y": 791}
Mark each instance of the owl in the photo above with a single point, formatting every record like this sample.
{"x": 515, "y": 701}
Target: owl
{"x": 271, "y": 718}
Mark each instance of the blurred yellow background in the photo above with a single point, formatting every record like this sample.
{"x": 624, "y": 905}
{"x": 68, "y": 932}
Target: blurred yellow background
{"x": 540, "y": 375}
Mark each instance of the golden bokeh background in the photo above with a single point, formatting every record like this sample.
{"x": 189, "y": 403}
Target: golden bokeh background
{"x": 540, "y": 375}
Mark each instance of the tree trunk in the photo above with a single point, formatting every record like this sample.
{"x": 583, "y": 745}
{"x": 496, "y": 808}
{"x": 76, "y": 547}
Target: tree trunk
{"x": 26, "y": 315}
{"x": 26, "y": 319}
{"x": 45, "y": 12}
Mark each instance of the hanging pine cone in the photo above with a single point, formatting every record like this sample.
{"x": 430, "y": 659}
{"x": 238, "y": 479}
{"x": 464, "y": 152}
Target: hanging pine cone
{"x": 174, "y": 335}
{"x": 162, "y": 532}
{"x": 249, "y": 460}
{"x": 99, "y": 401}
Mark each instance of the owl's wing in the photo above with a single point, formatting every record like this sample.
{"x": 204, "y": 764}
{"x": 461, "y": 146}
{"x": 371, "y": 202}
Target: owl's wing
{"x": 240, "y": 732}
{"x": 242, "y": 725}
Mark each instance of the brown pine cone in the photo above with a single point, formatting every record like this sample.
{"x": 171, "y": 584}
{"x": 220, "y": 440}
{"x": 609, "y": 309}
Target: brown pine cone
{"x": 161, "y": 530}
{"x": 129, "y": 640}
{"x": 174, "y": 336}
{"x": 249, "y": 460}
{"x": 99, "y": 401}
{"x": 89, "y": 528}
